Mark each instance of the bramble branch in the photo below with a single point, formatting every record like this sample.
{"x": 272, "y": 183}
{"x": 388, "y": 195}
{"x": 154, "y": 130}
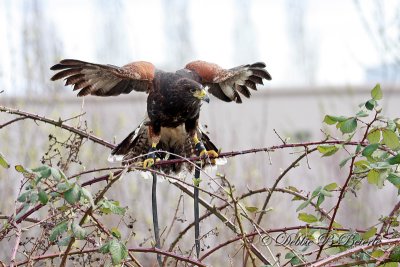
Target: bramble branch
{"x": 60, "y": 123}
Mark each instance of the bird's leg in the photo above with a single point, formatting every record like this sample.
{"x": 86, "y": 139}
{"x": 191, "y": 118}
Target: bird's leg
{"x": 201, "y": 150}
{"x": 154, "y": 134}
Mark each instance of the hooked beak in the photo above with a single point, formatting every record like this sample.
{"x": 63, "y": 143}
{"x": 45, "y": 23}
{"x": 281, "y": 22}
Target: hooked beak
{"x": 206, "y": 98}
{"x": 202, "y": 95}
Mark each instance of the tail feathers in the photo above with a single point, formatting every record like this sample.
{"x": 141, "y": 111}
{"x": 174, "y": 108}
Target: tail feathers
{"x": 137, "y": 143}
{"x": 131, "y": 145}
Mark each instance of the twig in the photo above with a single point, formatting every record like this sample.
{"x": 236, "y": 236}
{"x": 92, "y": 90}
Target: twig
{"x": 263, "y": 149}
{"x": 344, "y": 187}
{"x": 89, "y": 211}
{"x": 15, "y": 248}
{"x": 280, "y": 177}
{"x": 389, "y": 219}
{"x": 277, "y": 180}
{"x": 285, "y": 229}
{"x": 349, "y": 252}
{"x": 91, "y": 250}
{"x": 283, "y": 141}
{"x": 107, "y": 232}
{"x": 57, "y": 124}
{"x": 12, "y": 121}
{"x": 225, "y": 220}
{"x": 250, "y": 193}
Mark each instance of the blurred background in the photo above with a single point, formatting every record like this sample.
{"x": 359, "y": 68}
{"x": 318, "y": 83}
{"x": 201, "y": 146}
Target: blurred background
{"x": 324, "y": 58}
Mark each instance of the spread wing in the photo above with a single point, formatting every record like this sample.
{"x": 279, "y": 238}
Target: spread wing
{"x": 105, "y": 80}
{"x": 226, "y": 84}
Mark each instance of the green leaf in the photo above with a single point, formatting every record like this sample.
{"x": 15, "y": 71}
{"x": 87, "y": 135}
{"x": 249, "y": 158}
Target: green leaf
{"x": 3, "y": 161}
{"x": 34, "y": 197}
{"x": 395, "y": 254}
{"x": 382, "y": 165}
{"x": 373, "y": 177}
{"x": 251, "y": 209}
{"x": 374, "y": 136}
{"x": 390, "y": 139}
{"x": 377, "y": 253}
{"x": 64, "y": 241}
{"x": 362, "y": 164}
{"x": 292, "y": 188}
{"x": 370, "y": 104}
{"x": 22, "y": 212}
{"x": 43, "y": 198}
{"x": 368, "y": 234}
{"x": 394, "y": 179}
{"x": 325, "y": 193}
{"x": 24, "y": 196}
{"x": 394, "y": 160}
{"x": 308, "y": 218}
{"x": 368, "y": 150}
{"x": 45, "y": 173}
{"x": 118, "y": 251}
{"x": 107, "y": 207}
{"x": 73, "y": 194}
{"x": 41, "y": 168}
{"x": 105, "y": 248}
{"x": 327, "y": 150}
{"x": 376, "y": 93}
{"x": 390, "y": 264}
{"x": 349, "y": 125}
{"x": 333, "y": 119}
{"x": 78, "y": 231}
{"x": 344, "y": 161}
{"x": 316, "y": 192}
{"x": 331, "y": 187}
{"x": 20, "y": 168}
{"x": 56, "y": 174}
{"x": 87, "y": 195}
{"x": 321, "y": 199}
{"x": 362, "y": 113}
{"x": 303, "y": 205}
{"x": 391, "y": 125}
{"x": 58, "y": 230}
{"x": 63, "y": 187}
{"x": 115, "y": 232}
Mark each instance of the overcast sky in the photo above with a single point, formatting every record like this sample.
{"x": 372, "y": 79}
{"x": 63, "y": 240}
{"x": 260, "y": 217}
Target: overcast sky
{"x": 310, "y": 42}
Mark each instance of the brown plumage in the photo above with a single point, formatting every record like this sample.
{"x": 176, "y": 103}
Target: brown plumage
{"x": 173, "y": 103}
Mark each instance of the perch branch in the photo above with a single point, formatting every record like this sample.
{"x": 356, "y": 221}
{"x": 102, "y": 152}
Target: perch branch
{"x": 58, "y": 123}
{"x": 92, "y": 250}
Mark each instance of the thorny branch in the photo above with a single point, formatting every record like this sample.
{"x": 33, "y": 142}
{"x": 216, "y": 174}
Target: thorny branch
{"x": 245, "y": 238}
{"x": 343, "y": 190}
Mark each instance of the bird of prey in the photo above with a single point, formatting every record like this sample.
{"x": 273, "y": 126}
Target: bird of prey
{"x": 173, "y": 102}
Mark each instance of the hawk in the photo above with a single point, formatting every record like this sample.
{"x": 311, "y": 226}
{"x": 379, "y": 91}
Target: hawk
{"x": 173, "y": 102}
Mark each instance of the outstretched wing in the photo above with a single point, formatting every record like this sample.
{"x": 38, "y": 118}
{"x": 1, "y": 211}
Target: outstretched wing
{"x": 105, "y": 80}
{"x": 226, "y": 84}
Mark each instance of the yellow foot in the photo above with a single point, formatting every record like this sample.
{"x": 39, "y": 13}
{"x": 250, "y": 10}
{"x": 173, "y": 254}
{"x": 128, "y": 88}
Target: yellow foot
{"x": 209, "y": 154}
{"x": 148, "y": 163}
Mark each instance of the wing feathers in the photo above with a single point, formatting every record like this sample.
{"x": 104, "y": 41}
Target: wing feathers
{"x": 226, "y": 84}
{"x": 104, "y": 80}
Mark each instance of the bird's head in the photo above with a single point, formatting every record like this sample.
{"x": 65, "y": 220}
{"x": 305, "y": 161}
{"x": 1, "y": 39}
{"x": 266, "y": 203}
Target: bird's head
{"x": 193, "y": 89}
{"x": 201, "y": 93}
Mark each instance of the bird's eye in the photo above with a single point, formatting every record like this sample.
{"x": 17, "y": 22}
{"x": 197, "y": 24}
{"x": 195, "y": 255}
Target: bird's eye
{"x": 193, "y": 90}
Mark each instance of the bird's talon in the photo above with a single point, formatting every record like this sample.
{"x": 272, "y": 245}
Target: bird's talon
{"x": 209, "y": 154}
{"x": 147, "y": 163}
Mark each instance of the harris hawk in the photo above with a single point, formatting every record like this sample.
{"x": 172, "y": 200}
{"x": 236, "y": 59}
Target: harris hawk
{"x": 173, "y": 102}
